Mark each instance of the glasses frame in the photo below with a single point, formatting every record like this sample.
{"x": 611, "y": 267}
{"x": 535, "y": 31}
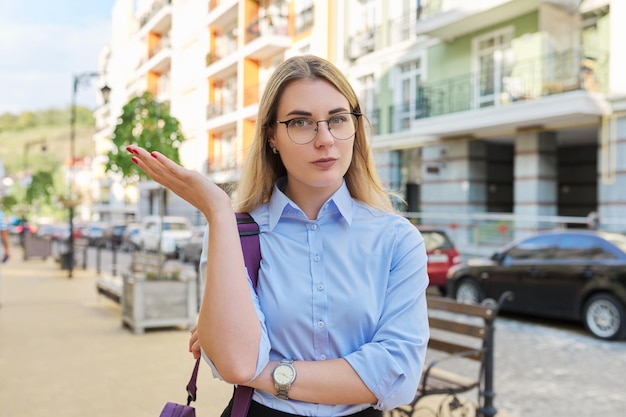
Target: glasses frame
{"x": 317, "y": 125}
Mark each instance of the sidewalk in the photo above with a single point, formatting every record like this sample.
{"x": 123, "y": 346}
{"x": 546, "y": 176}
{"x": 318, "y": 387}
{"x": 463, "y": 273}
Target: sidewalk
{"x": 64, "y": 352}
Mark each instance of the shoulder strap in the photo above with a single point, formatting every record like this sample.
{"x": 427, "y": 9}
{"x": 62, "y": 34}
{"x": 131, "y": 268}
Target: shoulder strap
{"x": 249, "y": 236}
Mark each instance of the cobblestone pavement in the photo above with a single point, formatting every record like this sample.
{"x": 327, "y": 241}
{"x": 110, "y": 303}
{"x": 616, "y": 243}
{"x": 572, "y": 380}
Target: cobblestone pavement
{"x": 548, "y": 369}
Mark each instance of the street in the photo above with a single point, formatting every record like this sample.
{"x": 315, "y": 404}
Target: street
{"x": 543, "y": 368}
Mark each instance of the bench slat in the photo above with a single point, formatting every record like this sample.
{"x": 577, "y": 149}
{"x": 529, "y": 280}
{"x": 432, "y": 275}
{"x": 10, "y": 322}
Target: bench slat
{"x": 455, "y": 348}
{"x": 450, "y": 325}
{"x": 448, "y": 304}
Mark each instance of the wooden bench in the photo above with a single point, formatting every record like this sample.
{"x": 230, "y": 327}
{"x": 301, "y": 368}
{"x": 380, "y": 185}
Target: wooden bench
{"x": 459, "y": 360}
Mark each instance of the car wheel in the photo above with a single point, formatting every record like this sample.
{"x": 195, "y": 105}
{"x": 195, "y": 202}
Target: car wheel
{"x": 468, "y": 291}
{"x": 604, "y": 317}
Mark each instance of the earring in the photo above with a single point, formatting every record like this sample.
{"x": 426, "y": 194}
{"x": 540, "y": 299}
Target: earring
{"x": 274, "y": 150}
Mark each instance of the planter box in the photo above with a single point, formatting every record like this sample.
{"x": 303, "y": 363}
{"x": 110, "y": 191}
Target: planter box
{"x": 158, "y": 303}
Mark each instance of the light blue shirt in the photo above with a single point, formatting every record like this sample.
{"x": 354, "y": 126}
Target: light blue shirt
{"x": 350, "y": 285}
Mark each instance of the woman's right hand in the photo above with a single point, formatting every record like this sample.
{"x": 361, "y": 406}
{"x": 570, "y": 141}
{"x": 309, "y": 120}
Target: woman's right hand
{"x": 190, "y": 185}
{"x": 194, "y": 343}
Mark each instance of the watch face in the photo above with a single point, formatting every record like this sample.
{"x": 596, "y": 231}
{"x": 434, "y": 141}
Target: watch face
{"x": 284, "y": 374}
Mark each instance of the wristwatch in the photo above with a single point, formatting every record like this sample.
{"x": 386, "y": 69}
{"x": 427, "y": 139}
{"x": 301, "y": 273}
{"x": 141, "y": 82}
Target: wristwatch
{"x": 284, "y": 374}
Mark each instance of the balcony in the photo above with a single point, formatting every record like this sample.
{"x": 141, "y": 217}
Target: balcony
{"x": 267, "y": 36}
{"x": 555, "y": 90}
{"x": 158, "y": 59}
{"x": 450, "y": 19}
{"x": 361, "y": 43}
{"x": 222, "y": 13}
{"x": 158, "y": 19}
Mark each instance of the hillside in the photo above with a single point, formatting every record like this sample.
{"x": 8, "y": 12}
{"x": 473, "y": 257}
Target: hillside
{"x": 19, "y": 146}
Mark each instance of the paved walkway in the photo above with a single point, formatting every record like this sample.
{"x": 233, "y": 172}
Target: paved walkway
{"x": 64, "y": 351}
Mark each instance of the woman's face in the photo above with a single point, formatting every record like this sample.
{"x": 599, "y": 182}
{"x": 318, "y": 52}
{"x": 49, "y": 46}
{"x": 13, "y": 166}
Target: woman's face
{"x": 320, "y": 164}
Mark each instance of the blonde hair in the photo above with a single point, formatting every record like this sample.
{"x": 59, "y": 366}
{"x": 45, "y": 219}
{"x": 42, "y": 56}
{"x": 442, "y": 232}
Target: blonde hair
{"x": 263, "y": 167}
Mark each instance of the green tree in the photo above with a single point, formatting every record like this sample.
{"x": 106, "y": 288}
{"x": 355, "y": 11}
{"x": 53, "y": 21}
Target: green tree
{"x": 147, "y": 123}
{"x": 40, "y": 188}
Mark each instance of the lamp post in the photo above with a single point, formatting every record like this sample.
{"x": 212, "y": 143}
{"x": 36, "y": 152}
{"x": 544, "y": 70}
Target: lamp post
{"x": 79, "y": 80}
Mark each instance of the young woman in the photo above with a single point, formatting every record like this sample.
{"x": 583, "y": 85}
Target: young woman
{"x": 340, "y": 303}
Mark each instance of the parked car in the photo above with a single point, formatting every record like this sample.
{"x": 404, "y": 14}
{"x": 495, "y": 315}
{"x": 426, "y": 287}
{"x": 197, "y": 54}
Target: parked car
{"x": 191, "y": 250}
{"x": 93, "y": 232}
{"x": 566, "y": 274}
{"x": 442, "y": 255}
{"x": 112, "y": 236}
{"x": 130, "y": 235}
{"x": 175, "y": 231}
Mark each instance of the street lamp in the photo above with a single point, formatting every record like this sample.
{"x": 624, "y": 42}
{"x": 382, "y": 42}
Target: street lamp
{"x": 79, "y": 80}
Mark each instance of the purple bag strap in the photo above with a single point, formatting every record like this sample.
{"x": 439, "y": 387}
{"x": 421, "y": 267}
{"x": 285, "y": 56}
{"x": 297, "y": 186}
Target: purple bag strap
{"x": 249, "y": 235}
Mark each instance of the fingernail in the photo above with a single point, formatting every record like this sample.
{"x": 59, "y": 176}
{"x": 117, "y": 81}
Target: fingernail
{"x": 134, "y": 159}
{"x": 129, "y": 149}
{"x": 152, "y": 154}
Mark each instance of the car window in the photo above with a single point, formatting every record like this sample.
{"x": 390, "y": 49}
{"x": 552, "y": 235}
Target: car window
{"x": 537, "y": 247}
{"x": 436, "y": 240}
{"x": 175, "y": 226}
{"x": 576, "y": 247}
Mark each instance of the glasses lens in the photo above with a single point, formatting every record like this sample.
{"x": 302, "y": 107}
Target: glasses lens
{"x": 303, "y": 130}
{"x": 343, "y": 125}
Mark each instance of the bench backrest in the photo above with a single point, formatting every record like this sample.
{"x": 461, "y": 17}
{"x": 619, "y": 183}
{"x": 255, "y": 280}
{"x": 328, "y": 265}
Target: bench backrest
{"x": 457, "y": 327}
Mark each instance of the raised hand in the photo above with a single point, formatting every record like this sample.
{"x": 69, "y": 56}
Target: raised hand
{"x": 190, "y": 185}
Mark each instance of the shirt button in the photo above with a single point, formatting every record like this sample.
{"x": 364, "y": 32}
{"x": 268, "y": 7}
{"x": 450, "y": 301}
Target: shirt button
{"x": 320, "y": 287}
{"x": 322, "y": 357}
{"x": 320, "y": 324}
{"x": 316, "y": 258}
{"x": 314, "y": 226}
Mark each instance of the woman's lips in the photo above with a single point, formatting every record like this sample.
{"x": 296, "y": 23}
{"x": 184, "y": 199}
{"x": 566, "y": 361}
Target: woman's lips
{"x": 324, "y": 162}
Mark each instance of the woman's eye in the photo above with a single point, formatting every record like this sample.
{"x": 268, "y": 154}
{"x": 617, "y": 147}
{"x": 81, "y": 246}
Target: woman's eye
{"x": 337, "y": 120}
{"x": 300, "y": 123}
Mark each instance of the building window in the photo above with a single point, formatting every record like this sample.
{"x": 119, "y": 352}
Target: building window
{"x": 494, "y": 59}
{"x": 410, "y": 103}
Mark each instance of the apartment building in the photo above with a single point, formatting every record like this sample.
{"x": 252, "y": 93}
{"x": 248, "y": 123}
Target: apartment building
{"x": 510, "y": 107}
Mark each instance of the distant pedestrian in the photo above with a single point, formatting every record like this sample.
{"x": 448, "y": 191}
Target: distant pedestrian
{"x": 4, "y": 237}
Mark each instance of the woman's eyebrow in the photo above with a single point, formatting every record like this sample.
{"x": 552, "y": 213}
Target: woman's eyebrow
{"x": 306, "y": 113}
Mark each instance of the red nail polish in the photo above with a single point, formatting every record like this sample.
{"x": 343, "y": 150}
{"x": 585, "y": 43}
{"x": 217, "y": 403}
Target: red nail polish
{"x": 152, "y": 154}
{"x": 134, "y": 159}
{"x": 129, "y": 149}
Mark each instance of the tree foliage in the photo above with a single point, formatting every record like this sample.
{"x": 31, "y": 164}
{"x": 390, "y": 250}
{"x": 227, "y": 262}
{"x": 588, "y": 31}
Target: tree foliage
{"x": 40, "y": 188}
{"x": 147, "y": 123}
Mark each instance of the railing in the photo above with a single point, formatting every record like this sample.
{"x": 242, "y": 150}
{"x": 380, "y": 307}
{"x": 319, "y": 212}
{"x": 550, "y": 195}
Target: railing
{"x": 524, "y": 80}
{"x": 489, "y": 231}
{"x": 267, "y": 25}
{"x": 156, "y": 7}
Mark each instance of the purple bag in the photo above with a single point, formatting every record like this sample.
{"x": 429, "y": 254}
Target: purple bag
{"x": 180, "y": 410}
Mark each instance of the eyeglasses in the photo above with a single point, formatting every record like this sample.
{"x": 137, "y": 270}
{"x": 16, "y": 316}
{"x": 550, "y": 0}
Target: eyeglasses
{"x": 303, "y": 130}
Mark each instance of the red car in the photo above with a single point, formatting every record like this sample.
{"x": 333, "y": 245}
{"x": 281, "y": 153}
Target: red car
{"x": 442, "y": 255}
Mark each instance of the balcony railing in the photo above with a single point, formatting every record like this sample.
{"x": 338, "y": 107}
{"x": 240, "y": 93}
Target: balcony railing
{"x": 524, "y": 80}
{"x": 266, "y": 26}
{"x": 156, "y": 7}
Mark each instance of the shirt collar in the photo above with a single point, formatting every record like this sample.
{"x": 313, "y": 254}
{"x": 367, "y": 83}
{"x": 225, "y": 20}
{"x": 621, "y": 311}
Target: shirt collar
{"x": 280, "y": 204}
